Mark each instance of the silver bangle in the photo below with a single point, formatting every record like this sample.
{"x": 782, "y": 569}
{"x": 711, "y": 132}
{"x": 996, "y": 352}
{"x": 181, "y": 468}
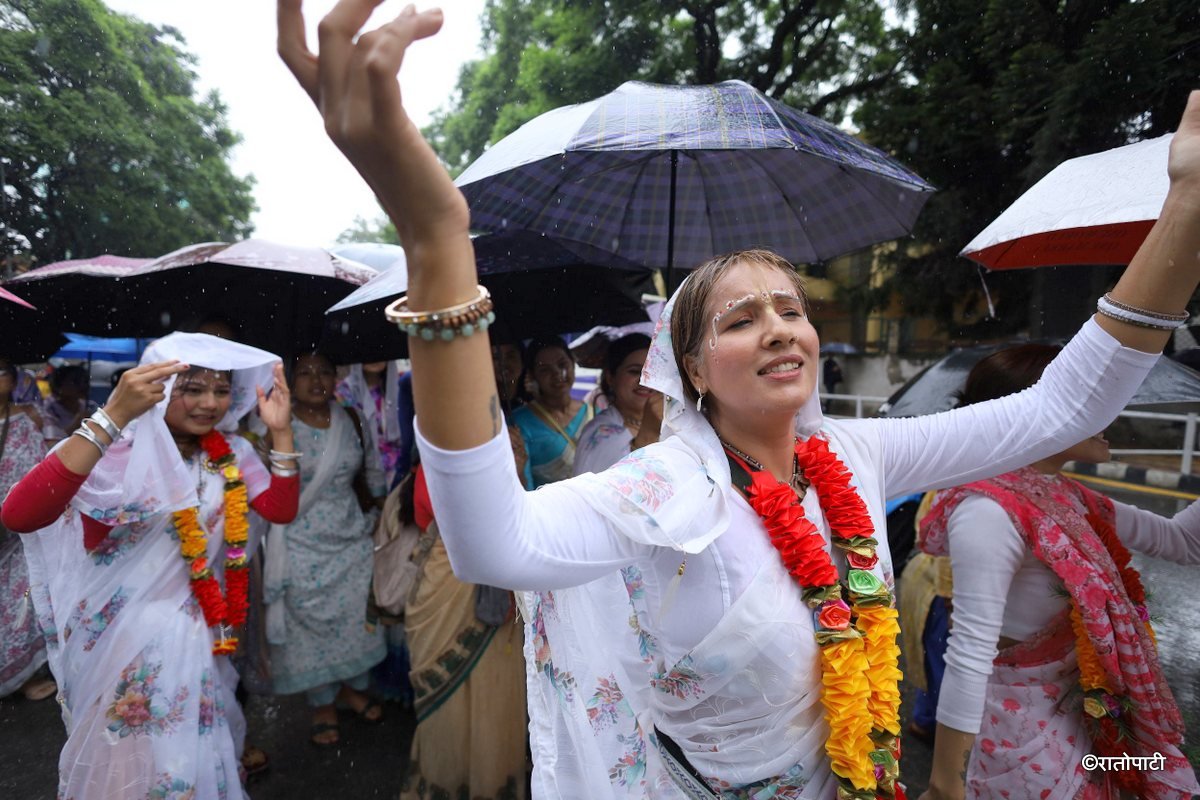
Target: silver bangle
{"x": 1139, "y": 317}
{"x": 84, "y": 432}
{"x": 289, "y": 456}
{"x": 280, "y": 472}
{"x": 105, "y": 423}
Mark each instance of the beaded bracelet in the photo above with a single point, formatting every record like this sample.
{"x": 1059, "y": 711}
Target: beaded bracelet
{"x": 1155, "y": 320}
{"x": 458, "y": 320}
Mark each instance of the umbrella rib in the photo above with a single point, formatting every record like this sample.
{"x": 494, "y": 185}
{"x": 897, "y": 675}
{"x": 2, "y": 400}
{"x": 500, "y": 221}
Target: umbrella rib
{"x": 766, "y": 173}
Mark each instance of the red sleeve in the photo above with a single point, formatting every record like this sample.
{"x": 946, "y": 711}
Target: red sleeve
{"x": 279, "y": 502}
{"x": 422, "y": 505}
{"x": 41, "y": 496}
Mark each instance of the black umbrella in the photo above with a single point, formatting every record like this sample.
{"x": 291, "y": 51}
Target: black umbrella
{"x": 935, "y": 388}
{"x": 541, "y": 286}
{"x": 273, "y": 295}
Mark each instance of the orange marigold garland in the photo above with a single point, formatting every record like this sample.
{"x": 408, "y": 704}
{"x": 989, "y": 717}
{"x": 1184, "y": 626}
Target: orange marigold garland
{"x": 859, "y": 656}
{"x": 1105, "y": 710}
{"x": 228, "y": 611}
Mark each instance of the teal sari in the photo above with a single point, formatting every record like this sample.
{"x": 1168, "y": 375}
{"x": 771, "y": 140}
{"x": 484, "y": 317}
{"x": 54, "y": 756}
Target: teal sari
{"x": 551, "y": 447}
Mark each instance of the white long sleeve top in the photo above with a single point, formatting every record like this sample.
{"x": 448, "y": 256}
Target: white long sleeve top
{"x": 1002, "y": 590}
{"x": 498, "y": 534}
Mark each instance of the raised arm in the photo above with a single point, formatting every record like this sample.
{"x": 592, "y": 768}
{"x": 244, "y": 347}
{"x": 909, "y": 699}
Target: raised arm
{"x": 353, "y": 84}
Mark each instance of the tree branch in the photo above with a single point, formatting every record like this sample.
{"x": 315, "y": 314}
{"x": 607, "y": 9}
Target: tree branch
{"x": 818, "y": 107}
{"x": 800, "y": 65}
{"x": 764, "y": 77}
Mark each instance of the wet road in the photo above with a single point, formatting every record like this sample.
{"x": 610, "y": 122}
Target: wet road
{"x": 371, "y": 760}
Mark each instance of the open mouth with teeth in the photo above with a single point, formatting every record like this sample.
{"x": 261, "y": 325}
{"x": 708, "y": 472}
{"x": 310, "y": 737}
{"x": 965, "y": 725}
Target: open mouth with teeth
{"x": 786, "y": 366}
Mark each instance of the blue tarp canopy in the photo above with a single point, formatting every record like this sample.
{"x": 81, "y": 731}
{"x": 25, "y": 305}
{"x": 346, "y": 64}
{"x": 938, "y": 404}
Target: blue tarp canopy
{"x": 101, "y": 349}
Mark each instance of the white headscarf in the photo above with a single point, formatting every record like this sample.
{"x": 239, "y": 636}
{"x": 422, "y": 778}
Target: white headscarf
{"x": 143, "y": 472}
{"x": 361, "y": 395}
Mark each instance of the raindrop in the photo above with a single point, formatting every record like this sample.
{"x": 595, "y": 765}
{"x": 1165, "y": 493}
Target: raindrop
{"x": 616, "y": 245}
{"x": 165, "y": 319}
{"x": 345, "y": 327}
{"x": 504, "y": 222}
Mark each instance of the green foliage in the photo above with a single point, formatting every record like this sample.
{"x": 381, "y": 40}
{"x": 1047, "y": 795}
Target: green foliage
{"x": 105, "y": 146}
{"x": 1000, "y": 93}
{"x": 379, "y": 229}
{"x": 819, "y": 55}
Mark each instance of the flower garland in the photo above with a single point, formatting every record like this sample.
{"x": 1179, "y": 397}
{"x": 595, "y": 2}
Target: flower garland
{"x": 228, "y": 611}
{"x": 860, "y": 672}
{"x": 1105, "y": 712}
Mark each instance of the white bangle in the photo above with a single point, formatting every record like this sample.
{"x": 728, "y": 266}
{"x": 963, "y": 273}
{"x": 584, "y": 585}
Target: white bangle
{"x": 287, "y": 456}
{"x": 105, "y": 423}
{"x": 280, "y": 472}
{"x": 1140, "y": 317}
{"x": 84, "y": 432}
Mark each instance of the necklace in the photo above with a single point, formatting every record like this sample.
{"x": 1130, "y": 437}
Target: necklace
{"x": 857, "y": 639}
{"x": 798, "y": 481}
{"x": 229, "y": 611}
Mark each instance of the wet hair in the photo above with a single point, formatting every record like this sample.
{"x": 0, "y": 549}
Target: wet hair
{"x": 538, "y": 345}
{"x": 1006, "y": 372}
{"x": 690, "y": 319}
{"x": 69, "y": 373}
{"x": 188, "y": 375}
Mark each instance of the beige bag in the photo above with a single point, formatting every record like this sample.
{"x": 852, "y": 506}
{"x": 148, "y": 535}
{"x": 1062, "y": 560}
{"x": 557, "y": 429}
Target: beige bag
{"x": 394, "y": 572}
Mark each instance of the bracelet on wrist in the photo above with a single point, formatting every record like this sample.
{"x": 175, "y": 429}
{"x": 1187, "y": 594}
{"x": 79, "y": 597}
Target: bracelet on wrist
{"x": 279, "y": 454}
{"x": 1142, "y": 318}
{"x": 462, "y": 319}
{"x": 84, "y": 432}
{"x": 105, "y": 423}
{"x": 281, "y": 472}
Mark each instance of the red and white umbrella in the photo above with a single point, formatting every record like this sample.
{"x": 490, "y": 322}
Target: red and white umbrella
{"x": 12, "y": 298}
{"x": 1094, "y": 209}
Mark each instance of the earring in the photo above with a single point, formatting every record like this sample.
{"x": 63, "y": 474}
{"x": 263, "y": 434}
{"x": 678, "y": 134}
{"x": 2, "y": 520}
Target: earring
{"x": 700, "y": 403}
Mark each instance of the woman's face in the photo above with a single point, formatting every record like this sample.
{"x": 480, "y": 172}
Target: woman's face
{"x": 198, "y": 402}
{"x": 760, "y": 353}
{"x": 554, "y": 371}
{"x": 1093, "y": 450}
{"x": 313, "y": 381}
{"x": 628, "y": 393}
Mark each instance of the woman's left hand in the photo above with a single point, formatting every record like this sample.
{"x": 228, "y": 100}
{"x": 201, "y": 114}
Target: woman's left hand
{"x": 275, "y": 409}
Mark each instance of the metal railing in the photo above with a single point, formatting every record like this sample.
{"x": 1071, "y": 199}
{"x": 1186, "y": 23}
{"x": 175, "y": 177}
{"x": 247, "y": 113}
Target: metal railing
{"x": 1186, "y": 453}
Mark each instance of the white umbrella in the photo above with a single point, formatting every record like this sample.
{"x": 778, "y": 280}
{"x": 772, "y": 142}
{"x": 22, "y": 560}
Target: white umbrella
{"x": 1094, "y": 209}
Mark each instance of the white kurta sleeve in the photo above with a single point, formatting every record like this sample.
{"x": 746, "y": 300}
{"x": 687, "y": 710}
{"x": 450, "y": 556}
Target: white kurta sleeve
{"x": 1080, "y": 393}
{"x": 986, "y": 552}
{"x": 498, "y": 534}
{"x": 1172, "y": 539}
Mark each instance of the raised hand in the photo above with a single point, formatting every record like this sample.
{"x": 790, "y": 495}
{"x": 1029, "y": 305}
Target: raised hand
{"x": 275, "y": 409}
{"x": 353, "y": 84}
{"x": 1184, "y": 163}
{"x": 140, "y": 389}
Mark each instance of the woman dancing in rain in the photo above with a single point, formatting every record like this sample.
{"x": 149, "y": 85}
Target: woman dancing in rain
{"x": 688, "y": 632}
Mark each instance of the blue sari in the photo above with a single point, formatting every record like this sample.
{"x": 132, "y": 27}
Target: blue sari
{"x": 551, "y": 448}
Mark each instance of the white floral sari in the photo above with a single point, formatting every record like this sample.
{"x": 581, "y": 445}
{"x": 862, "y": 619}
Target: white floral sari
{"x": 149, "y": 711}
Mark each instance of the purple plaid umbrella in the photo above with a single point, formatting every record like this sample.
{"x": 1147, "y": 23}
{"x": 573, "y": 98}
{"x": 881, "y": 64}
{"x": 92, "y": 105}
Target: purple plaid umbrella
{"x": 669, "y": 176}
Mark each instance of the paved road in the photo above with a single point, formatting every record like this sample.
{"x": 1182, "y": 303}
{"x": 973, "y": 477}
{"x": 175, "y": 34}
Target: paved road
{"x": 371, "y": 760}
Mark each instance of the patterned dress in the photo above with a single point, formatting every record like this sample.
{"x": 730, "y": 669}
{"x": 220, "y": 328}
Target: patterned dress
{"x": 330, "y": 555}
{"x": 22, "y": 647}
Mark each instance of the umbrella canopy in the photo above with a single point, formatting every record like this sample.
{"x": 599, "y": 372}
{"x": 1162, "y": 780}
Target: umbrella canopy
{"x": 12, "y": 298}
{"x": 668, "y": 176}
{"x": 273, "y": 295}
{"x": 934, "y": 388}
{"x": 102, "y": 349}
{"x": 556, "y": 292}
{"x": 1095, "y": 209}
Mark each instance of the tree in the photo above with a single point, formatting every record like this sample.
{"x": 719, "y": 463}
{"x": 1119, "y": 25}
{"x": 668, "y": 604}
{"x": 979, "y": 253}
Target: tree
{"x": 104, "y": 145}
{"x": 380, "y": 229}
{"x": 1000, "y": 93}
{"x": 818, "y": 55}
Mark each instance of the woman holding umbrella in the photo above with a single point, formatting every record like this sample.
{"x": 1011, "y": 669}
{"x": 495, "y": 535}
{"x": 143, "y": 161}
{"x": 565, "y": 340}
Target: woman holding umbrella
{"x": 137, "y": 549}
{"x": 690, "y": 635}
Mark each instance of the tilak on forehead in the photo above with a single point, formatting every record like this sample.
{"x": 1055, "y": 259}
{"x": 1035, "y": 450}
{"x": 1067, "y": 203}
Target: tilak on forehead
{"x": 768, "y": 299}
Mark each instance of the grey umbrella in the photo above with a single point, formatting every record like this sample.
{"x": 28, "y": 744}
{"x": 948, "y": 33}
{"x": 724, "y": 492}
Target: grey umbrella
{"x": 668, "y": 176}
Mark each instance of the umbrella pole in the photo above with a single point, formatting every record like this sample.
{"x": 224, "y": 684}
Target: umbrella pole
{"x": 671, "y": 225}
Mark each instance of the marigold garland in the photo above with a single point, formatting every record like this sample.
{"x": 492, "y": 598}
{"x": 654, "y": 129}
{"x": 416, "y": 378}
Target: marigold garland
{"x": 228, "y": 610}
{"x": 1105, "y": 710}
{"x": 859, "y": 655}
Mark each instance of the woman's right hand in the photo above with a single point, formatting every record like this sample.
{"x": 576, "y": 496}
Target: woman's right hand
{"x": 353, "y": 83}
{"x": 139, "y": 390}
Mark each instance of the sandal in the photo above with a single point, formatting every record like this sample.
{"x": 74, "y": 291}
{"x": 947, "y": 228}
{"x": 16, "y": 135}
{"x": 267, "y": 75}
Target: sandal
{"x": 255, "y": 761}
{"x": 371, "y": 713}
{"x": 319, "y": 728}
{"x": 39, "y": 689}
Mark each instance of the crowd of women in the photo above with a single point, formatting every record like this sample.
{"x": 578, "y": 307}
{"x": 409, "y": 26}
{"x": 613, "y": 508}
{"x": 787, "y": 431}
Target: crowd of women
{"x": 703, "y": 575}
